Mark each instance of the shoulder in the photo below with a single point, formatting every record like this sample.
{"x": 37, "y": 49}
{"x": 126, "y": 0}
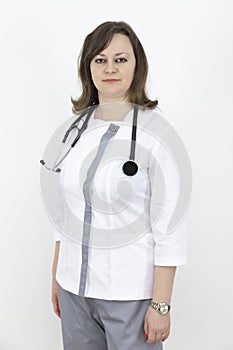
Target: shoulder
{"x": 153, "y": 121}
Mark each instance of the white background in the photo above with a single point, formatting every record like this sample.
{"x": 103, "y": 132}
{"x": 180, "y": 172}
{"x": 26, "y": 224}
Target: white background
{"x": 190, "y": 53}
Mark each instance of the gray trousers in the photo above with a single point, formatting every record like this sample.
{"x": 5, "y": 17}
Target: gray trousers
{"x": 97, "y": 324}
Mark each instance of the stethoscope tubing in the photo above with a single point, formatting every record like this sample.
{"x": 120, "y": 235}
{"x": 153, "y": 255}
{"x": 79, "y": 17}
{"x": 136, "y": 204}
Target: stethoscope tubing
{"x": 130, "y": 167}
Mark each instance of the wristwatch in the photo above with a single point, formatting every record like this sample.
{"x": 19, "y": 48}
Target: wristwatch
{"x": 162, "y": 308}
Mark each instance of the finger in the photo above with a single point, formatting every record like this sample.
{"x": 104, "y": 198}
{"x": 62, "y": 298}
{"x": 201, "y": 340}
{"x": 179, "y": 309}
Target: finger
{"x": 58, "y": 302}
{"x": 157, "y": 336}
{"x": 165, "y": 337}
{"x": 145, "y": 327}
{"x": 56, "y": 306}
{"x": 151, "y": 336}
{"x": 57, "y": 311}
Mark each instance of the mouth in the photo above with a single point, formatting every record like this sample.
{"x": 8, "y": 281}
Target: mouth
{"x": 111, "y": 80}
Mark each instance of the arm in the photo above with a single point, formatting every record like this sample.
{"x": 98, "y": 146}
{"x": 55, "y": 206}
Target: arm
{"x": 155, "y": 324}
{"x": 163, "y": 283}
{"x": 55, "y": 286}
{"x": 170, "y": 246}
{"x": 55, "y": 259}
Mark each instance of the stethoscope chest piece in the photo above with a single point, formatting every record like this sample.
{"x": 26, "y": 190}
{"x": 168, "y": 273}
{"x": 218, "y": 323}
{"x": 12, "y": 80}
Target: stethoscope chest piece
{"x": 130, "y": 168}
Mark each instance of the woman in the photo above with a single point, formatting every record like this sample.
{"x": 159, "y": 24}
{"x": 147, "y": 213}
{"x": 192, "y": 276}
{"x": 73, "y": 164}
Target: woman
{"x": 126, "y": 302}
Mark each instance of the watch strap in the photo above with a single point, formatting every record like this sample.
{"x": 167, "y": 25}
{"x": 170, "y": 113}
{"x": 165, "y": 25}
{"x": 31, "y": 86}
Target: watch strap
{"x": 157, "y": 306}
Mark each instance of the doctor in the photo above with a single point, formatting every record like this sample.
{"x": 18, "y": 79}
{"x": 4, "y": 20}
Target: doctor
{"x": 113, "y": 69}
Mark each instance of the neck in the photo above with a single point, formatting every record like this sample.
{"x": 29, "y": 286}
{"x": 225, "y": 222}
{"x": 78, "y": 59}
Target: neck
{"x": 111, "y": 99}
{"x": 112, "y": 111}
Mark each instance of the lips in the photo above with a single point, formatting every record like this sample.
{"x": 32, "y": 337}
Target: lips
{"x": 111, "y": 80}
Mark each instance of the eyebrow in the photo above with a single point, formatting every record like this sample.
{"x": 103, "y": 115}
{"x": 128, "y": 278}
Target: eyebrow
{"x": 116, "y": 54}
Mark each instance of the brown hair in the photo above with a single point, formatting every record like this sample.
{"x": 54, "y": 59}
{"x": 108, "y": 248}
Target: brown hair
{"x": 93, "y": 44}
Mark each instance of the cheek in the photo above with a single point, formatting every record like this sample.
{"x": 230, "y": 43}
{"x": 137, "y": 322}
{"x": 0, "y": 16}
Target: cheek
{"x": 129, "y": 74}
{"x": 130, "y": 70}
{"x": 94, "y": 76}
{"x": 94, "y": 71}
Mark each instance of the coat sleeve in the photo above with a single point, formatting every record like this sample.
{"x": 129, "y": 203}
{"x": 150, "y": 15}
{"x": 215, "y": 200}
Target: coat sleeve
{"x": 57, "y": 220}
{"x": 170, "y": 240}
{"x": 59, "y": 216}
{"x": 56, "y": 235}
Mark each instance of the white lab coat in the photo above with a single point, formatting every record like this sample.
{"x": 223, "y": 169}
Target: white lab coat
{"x": 131, "y": 209}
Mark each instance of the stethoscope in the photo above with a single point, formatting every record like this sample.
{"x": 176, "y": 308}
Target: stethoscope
{"x": 129, "y": 168}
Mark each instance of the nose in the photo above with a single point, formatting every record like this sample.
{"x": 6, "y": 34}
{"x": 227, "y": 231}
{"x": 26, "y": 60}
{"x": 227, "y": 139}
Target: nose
{"x": 110, "y": 67}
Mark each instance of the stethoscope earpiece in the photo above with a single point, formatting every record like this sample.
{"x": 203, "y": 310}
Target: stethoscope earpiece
{"x": 130, "y": 168}
{"x": 58, "y": 170}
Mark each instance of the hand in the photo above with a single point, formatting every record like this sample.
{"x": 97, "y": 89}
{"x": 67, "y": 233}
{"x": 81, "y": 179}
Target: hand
{"x": 55, "y": 297}
{"x": 155, "y": 325}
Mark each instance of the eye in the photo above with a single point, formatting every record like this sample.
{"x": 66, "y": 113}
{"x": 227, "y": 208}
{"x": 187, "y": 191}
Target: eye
{"x": 120, "y": 60}
{"x": 99, "y": 60}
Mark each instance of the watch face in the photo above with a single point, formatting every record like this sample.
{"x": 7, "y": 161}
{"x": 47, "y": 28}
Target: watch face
{"x": 163, "y": 308}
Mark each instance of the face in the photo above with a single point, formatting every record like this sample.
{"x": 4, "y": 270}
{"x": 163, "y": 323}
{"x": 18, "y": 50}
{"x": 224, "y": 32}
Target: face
{"x": 112, "y": 70}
